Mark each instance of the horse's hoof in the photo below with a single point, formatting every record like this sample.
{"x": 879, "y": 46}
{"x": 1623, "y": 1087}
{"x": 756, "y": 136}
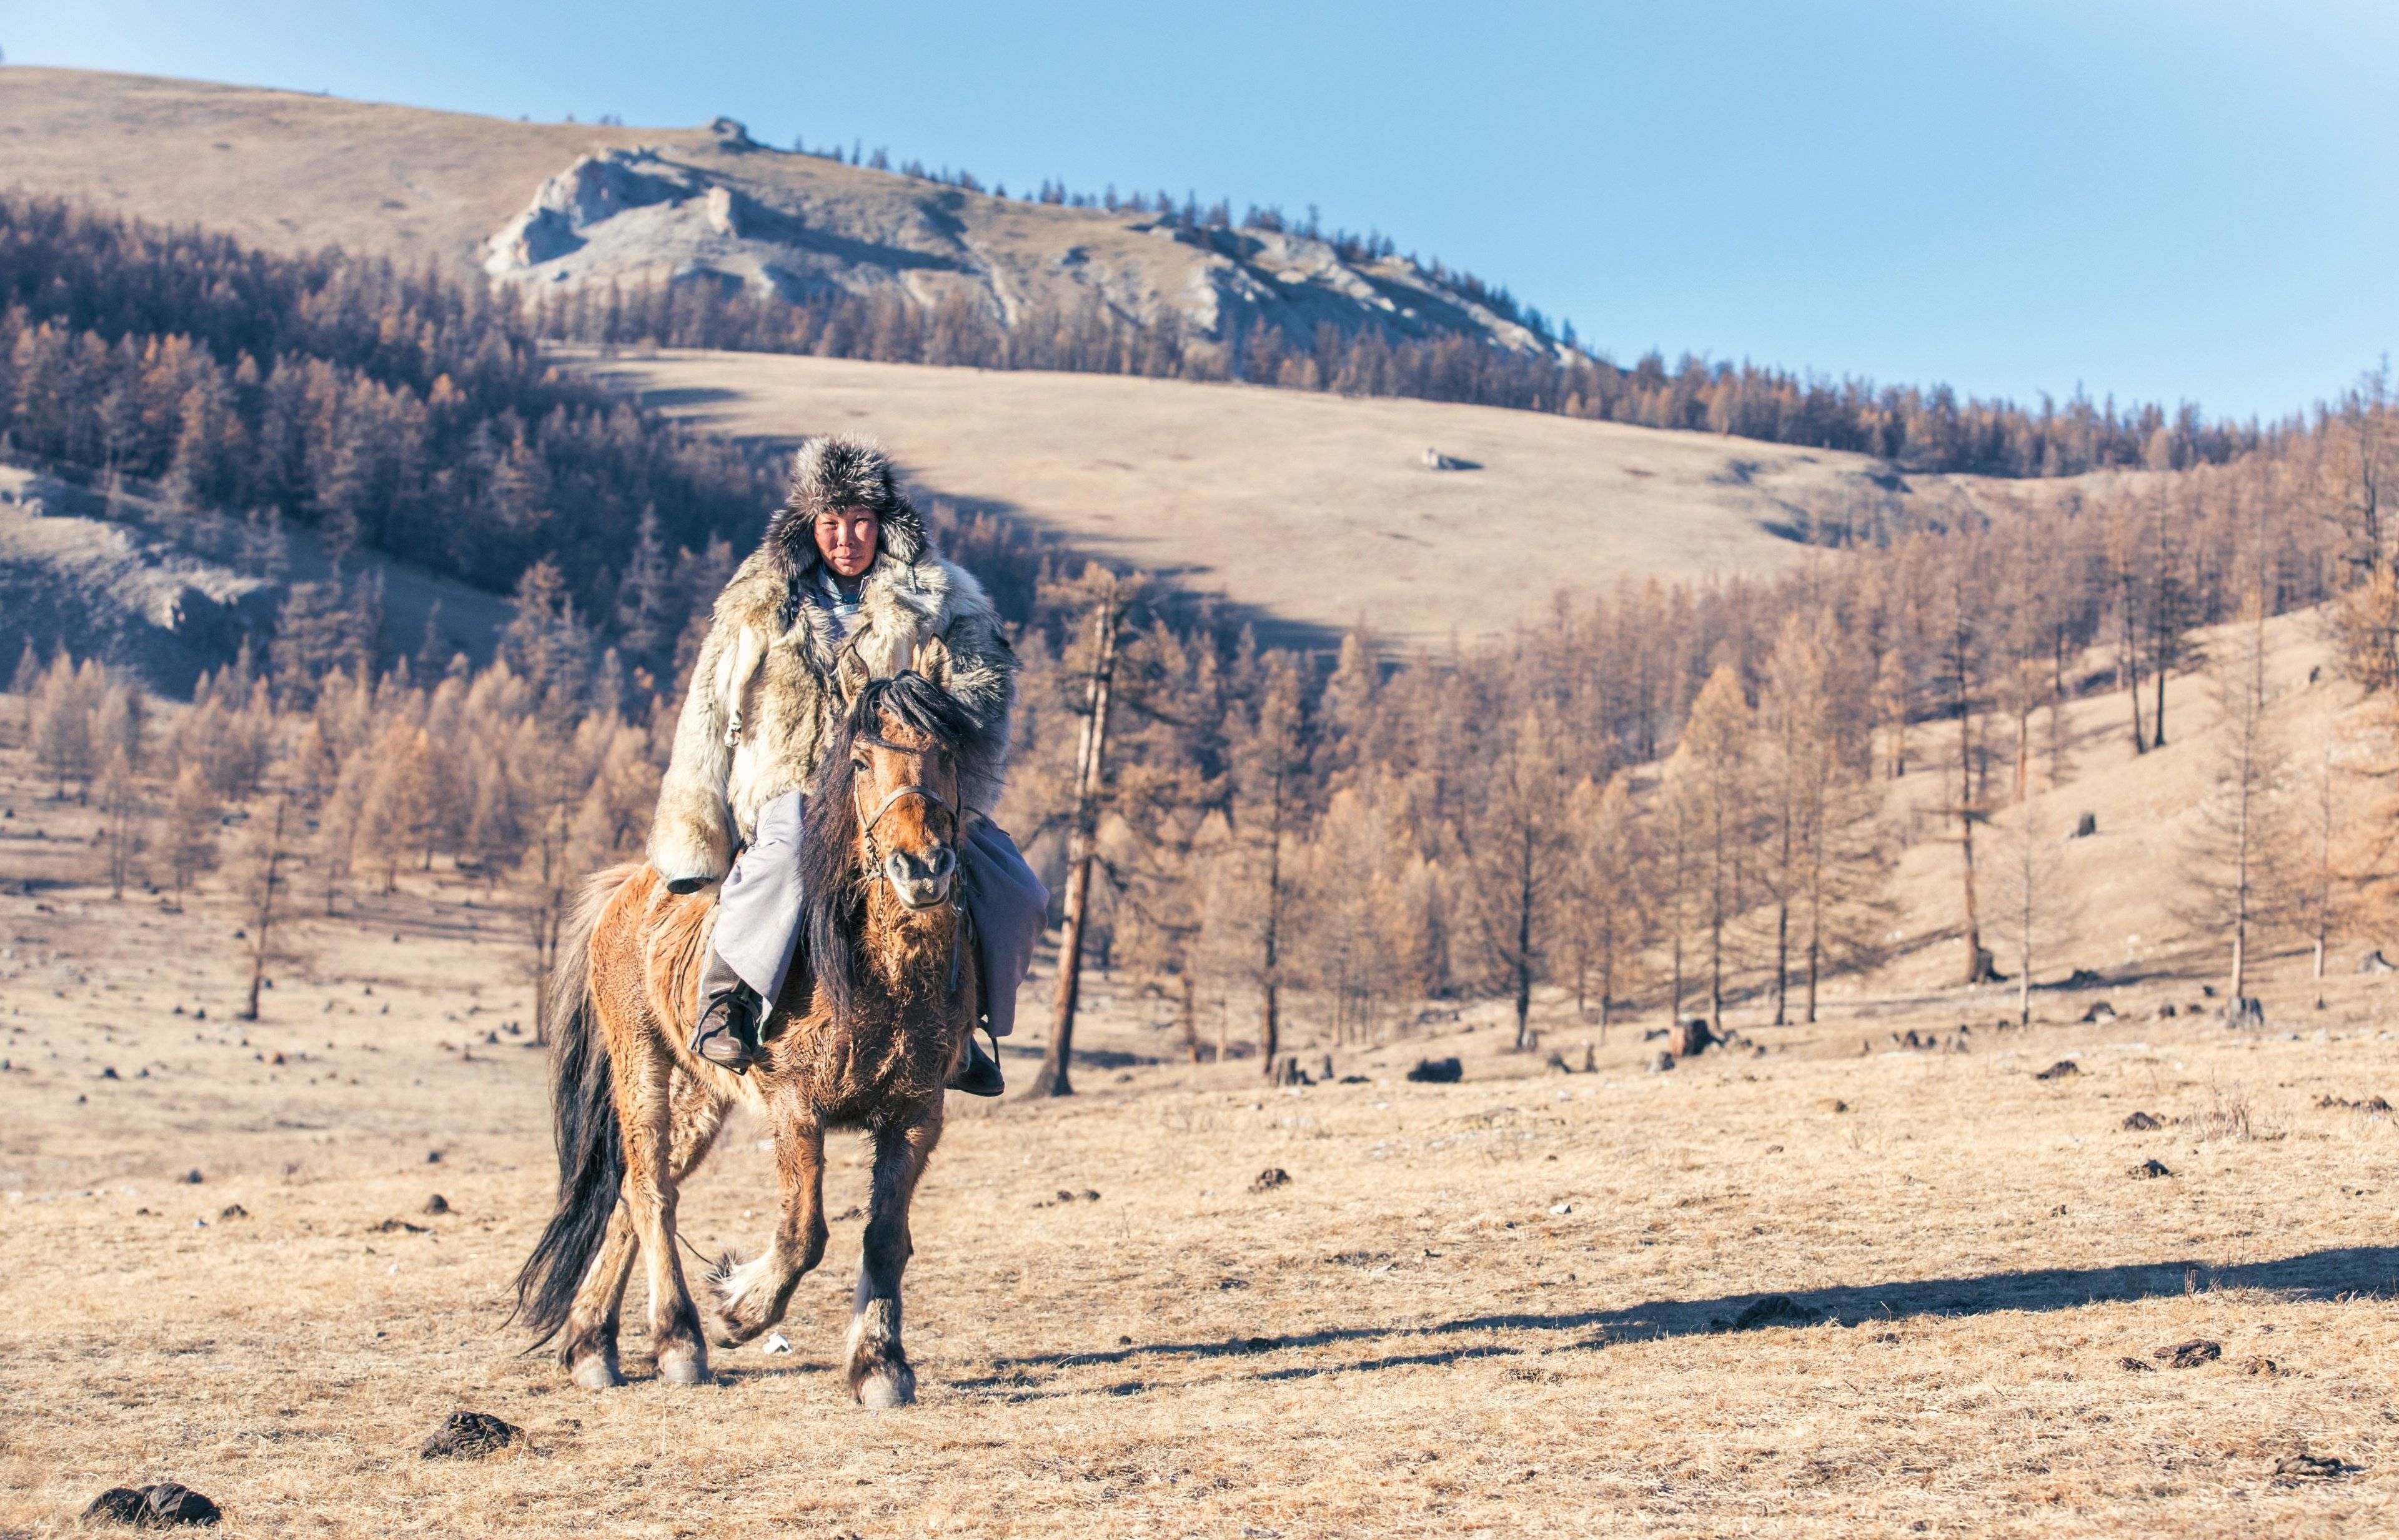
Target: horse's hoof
{"x": 888, "y": 1388}
{"x": 597, "y": 1373}
{"x": 682, "y": 1369}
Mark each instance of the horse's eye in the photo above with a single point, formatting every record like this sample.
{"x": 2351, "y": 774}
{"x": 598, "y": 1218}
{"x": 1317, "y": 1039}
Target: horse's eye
{"x": 858, "y": 763}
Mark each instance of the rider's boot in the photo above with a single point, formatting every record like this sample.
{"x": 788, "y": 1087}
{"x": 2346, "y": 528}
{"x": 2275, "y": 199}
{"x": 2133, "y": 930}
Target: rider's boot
{"x": 979, "y": 1073}
{"x": 727, "y": 1035}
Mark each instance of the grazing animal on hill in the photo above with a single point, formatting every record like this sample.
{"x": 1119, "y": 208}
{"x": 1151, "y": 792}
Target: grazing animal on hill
{"x": 866, "y": 1032}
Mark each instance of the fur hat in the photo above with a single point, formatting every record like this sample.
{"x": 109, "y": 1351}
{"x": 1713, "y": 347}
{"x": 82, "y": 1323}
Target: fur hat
{"x": 839, "y": 472}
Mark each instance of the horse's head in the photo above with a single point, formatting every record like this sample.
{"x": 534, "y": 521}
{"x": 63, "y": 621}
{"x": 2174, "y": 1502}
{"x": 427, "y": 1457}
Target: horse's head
{"x": 899, "y": 751}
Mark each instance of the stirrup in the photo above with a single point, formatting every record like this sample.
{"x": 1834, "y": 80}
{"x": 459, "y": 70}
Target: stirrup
{"x": 727, "y": 1035}
{"x": 980, "y": 1074}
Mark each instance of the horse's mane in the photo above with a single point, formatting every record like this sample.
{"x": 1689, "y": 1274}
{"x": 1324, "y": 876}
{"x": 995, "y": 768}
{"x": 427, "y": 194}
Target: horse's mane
{"x": 832, "y": 890}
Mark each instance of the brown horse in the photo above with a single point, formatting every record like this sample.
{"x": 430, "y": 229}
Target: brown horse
{"x": 866, "y": 1035}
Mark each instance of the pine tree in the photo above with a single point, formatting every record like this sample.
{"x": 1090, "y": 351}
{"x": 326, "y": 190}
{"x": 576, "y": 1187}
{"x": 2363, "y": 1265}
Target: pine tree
{"x": 1607, "y": 914}
{"x": 1713, "y": 764}
{"x": 59, "y": 727}
{"x": 1517, "y": 849}
{"x": 646, "y": 608}
{"x": 545, "y": 640}
{"x": 1344, "y": 938}
{"x": 1270, "y": 751}
{"x": 28, "y": 675}
{"x": 314, "y": 635}
{"x": 396, "y": 818}
{"x": 338, "y": 828}
{"x": 118, "y": 719}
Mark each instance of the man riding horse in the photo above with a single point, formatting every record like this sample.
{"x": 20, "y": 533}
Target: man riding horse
{"x": 845, "y": 587}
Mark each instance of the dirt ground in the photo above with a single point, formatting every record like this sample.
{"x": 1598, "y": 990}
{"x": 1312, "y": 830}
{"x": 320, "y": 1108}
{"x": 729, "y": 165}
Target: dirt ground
{"x": 1530, "y": 1303}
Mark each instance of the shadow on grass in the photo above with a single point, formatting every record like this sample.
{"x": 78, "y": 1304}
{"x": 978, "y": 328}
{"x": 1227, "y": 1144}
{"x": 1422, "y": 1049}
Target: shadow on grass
{"x": 2340, "y": 1273}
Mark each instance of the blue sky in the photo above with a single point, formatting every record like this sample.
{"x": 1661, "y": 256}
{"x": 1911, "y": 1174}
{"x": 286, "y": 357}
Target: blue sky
{"x": 2188, "y": 201}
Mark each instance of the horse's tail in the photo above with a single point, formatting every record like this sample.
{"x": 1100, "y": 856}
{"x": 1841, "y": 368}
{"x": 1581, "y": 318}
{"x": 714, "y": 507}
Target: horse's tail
{"x": 583, "y": 1108}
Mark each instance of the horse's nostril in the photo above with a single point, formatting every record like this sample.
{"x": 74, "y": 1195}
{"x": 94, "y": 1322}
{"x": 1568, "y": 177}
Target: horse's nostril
{"x": 920, "y": 878}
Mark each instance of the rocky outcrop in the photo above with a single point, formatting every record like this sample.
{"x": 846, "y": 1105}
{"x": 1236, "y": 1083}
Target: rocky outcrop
{"x": 785, "y": 226}
{"x": 116, "y": 590}
{"x": 110, "y": 592}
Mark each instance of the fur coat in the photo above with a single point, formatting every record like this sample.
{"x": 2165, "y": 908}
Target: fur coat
{"x": 767, "y": 688}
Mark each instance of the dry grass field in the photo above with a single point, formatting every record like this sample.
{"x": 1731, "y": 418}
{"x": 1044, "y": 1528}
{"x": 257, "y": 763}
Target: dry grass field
{"x": 1531, "y": 1303}
{"x": 1303, "y": 508}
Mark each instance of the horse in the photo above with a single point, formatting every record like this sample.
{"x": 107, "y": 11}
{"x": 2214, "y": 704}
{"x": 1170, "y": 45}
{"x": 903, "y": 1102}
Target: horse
{"x": 866, "y": 1035}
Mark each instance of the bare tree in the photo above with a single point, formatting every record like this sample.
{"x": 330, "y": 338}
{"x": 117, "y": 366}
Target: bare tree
{"x": 2318, "y": 887}
{"x": 337, "y": 826}
{"x": 59, "y": 729}
{"x": 1713, "y": 764}
{"x": 1270, "y": 762}
{"x": 397, "y": 819}
{"x": 1675, "y": 870}
{"x": 1090, "y": 774}
{"x": 2127, "y": 572}
{"x": 1607, "y": 915}
{"x": 1351, "y": 870}
{"x": 2032, "y": 910}
{"x": 1824, "y": 853}
{"x": 1795, "y": 747}
{"x": 2359, "y": 465}
{"x": 194, "y": 821}
{"x": 551, "y": 865}
{"x": 265, "y": 891}
{"x": 2235, "y": 859}
{"x": 1962, "y": 661}
{"x": 1518, "y": 853}
{"x": 124, "y": 826}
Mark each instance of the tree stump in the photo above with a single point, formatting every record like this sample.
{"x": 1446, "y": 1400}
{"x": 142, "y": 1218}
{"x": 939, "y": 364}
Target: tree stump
{"x": 1687, "y": 1038}
{"x": 1288, "y": 1073}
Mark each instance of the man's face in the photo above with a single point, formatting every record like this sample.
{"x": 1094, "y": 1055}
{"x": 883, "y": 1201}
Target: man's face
{"x": 846, "y": 538}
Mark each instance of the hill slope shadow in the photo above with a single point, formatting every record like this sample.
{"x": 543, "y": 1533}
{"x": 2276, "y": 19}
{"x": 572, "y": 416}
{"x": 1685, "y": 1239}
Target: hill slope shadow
{"x": 2326, "y": 1274}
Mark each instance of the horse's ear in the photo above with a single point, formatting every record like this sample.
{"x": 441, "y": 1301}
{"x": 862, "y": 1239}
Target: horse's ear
{"x": 933, "y": 662}
{"x": 851, "y": 676}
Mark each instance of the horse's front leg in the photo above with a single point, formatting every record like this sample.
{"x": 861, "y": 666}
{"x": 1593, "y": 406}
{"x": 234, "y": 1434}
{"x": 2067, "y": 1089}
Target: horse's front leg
{"x": 878, "y": 1372}
{"x": 753, "y": 1295}
{"x": 646, "y": 1108}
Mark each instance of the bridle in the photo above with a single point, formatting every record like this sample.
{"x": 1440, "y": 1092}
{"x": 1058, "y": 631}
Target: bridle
{"x": 874, "y": 859}
{"x": 867, "y": 826}
{"x": 892, "y": 799}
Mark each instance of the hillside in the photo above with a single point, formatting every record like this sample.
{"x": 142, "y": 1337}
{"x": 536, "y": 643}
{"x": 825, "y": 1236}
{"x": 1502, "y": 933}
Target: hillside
{"x": 1311, "y": 511}
{"x": 568, "y": 206}
{"x": 2118, "y": 900}
{"x": 1306, "y": 509}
